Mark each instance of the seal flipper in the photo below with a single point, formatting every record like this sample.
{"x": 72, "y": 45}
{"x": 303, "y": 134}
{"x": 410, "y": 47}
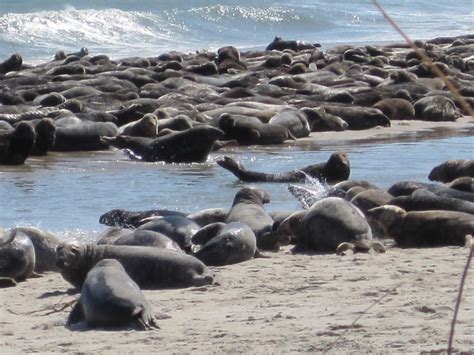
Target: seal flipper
{"x": 145, "y": 320}
{"x": 233, "y": 166}
{"x": 259, "y": 254}
{"x": 76, "y": 315}
{"x": 7, "y": 282}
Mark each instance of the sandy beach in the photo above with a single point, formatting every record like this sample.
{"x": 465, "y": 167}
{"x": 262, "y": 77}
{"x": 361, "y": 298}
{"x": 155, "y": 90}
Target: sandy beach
{"x": 398, "y": 302}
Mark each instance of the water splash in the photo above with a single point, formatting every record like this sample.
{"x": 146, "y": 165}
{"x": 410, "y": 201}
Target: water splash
{"x": 313, "y": 191}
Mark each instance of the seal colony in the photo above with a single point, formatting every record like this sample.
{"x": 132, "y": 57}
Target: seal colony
{"x": 178, "y": 107}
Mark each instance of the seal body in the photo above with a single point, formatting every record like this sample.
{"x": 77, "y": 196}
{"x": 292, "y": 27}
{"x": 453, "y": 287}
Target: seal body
{"x": 432, "y": 228}
{"x": 149, "y": 267}
{"x": 45, "y": 245}
{"x": 191, "y": 145}
{"x": 452, "y": 169}
{"x": 337, "y": 168}
{"x": 17, "y": 256}
{"x": 330, "y": 222}
{"x": 109, "y": 297}
{"x": 234, "y": 243}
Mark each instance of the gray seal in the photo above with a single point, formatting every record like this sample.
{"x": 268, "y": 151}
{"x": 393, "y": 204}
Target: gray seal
{"x": 327, "y": 224}
{"x": 416, "y": 229}
{"x": 17, "y": 146}
{"x": 233, "y": 243}
{"x": 452, "y": 169}
{"x": 45, "y": 245}
{"x": 335, "y": 169}
{"x": 109, "y": 297}
{"x": 188, "y": 146}
{"x": 17, "y": 256}
{"x": 178, "y": 228}
{"x": 247, "y": 208}
{"x": 148, "y": 238}
{"x": 150, "y": 268}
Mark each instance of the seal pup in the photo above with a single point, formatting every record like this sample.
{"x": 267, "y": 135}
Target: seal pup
{"x": 109, "y": 297}
{"x": 335, "y": 169}
{"x": 150, "y": 268}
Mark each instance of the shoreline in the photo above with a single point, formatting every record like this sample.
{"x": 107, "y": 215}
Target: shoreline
{"x": 397, "y": 302}
{"x": 399, "y": 131}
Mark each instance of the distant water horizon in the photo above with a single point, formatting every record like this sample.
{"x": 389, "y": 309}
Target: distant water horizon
{"x": 38, "y": 29}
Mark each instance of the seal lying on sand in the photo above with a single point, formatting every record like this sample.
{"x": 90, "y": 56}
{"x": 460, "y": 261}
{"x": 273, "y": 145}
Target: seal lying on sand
{"x": 424, "y": 228}
{"x": 149, "y": 267}
{"x": 336, "y": 169}
{"x": 327, "y": 224}
{"x": 17, "y": 256}
{"x": 247, "y": 208}
{"x": 109, "y": 297}
{"x": 226, "y": 244}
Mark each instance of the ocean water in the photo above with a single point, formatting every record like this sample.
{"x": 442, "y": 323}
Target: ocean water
{"x": 37, "y": 29}
{"x": 66, "y": 193}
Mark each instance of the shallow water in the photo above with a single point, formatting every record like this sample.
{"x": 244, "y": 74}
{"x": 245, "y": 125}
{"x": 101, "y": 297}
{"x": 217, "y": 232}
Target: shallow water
{"x": 66, "y": 193}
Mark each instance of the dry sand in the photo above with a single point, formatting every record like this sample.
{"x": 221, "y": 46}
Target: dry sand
{"x": 398, "y": 302}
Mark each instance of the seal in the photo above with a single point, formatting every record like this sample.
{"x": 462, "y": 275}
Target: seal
{"x": 233, "y": 243}
{"x": 188, "y": 146}
{"x": 109, "y": 297}
{"x": 150, "y": 268}
{"x": 452, "y": 169}
{"x": 45, "y": 245}
{"x": 83, "y": 136}
{"x": 335, "y": 169}
{"x": 408, "y": 187}
{"x": 423, "y": 200}
{"x": 111, "y": 234}
{"x": 14, "y": 63}
{"x": 247, "y": 132}
{"x": 147, "y": 126}
{"x": 436, "y": 108}
{"x": 17, "y": 146}
{"x": 45, "y": 131}
{"x": 327, "y": 224}
{"x": 417, "y": 229}
{"x": 396, "y": 108}
{"x": 17, "y": 256}
{"x": 178, "y": 228}
{"x": 148, "y": 238}
{"x": 464, "y": 183}
{"x": 130, "y": 219}
{"x": 247, "y": 208}
{"x": 370, "y": 198}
